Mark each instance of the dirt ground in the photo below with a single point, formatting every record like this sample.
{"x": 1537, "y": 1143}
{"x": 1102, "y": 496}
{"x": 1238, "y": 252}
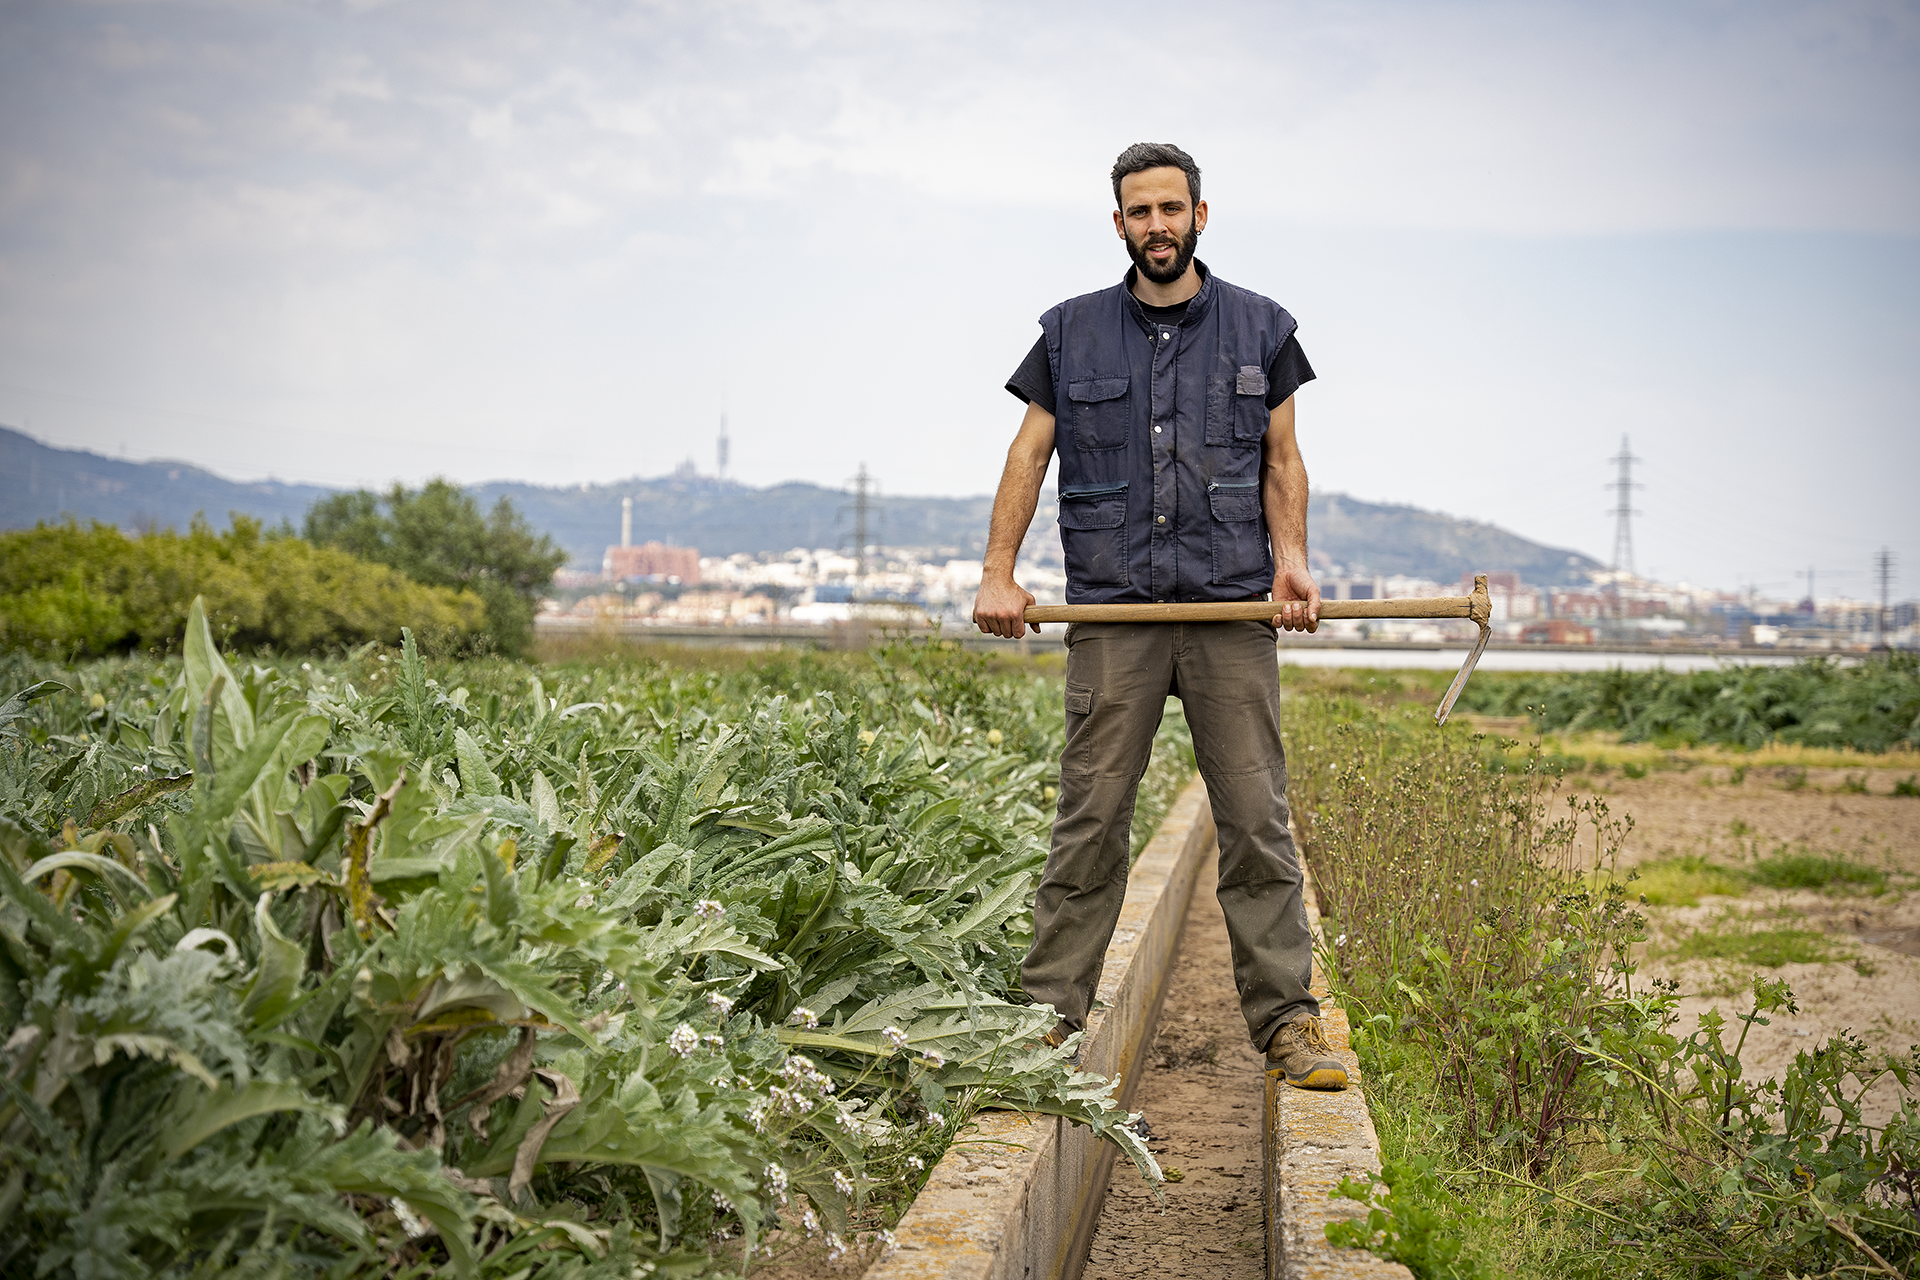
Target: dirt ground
{"x": 1202, "y": 1096}
{"x": 1872, "y": 987}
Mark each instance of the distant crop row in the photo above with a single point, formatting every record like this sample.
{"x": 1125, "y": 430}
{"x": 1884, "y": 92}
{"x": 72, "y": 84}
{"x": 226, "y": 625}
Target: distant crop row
{"x": 383, "y": 969}
{"x": 1871, "y": 705}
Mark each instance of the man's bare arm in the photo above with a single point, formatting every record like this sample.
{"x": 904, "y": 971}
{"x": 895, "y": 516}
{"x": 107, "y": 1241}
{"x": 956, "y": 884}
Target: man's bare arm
{"x": 1001, "y": 606}
{"x": 1283, "y": 499}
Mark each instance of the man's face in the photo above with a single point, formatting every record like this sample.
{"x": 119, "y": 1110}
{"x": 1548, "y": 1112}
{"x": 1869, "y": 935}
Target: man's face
{"x": 1160, "y": 223}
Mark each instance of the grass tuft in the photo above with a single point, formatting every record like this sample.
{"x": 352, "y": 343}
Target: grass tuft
{"x": 1804, "y": 869}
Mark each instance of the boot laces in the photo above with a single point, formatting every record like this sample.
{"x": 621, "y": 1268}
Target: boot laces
{"x": 1314, "y": 1036}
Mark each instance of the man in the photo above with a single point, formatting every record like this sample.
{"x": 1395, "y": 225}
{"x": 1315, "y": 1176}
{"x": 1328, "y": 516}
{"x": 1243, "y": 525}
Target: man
{"x": 1169, "y": 399}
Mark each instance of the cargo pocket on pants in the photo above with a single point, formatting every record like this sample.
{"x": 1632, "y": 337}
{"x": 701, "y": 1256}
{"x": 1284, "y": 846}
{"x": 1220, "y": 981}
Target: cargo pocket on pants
{"x": 1093, "y": 534}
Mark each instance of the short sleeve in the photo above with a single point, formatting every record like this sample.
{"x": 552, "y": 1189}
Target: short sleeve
{"x": 1288, "y": 372}
{"x": 1033, "y": 380}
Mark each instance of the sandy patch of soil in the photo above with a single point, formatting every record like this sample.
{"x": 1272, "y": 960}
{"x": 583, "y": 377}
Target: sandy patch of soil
{"x": 1696, "y": 812}
{"x": 1871, "y": 987}
{"x": 1202, "y": 1096}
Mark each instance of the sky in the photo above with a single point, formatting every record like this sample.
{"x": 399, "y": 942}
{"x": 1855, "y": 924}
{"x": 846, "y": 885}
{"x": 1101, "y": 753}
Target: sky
{"x": 352, "y": 243}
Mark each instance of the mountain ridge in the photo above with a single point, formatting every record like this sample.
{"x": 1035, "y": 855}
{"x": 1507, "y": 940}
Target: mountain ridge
{"x": 42, "y": 482}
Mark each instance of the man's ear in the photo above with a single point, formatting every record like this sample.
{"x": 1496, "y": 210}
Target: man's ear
{"x": 1119, "y": 225}
{"x": 1200, "y": 216}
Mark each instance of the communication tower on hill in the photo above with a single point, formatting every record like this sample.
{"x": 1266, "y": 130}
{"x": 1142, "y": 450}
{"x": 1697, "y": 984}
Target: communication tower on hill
{"x": 720, "y": 449}
{"x": 1623, "y": 512}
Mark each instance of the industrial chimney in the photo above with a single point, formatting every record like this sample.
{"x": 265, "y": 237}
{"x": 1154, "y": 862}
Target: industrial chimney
{"x": 626, "y": 522}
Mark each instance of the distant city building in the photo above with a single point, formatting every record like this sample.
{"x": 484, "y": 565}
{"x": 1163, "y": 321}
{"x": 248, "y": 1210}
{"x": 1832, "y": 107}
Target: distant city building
{"x": 1556, "y": 631}
{"x": 652, "y": 562}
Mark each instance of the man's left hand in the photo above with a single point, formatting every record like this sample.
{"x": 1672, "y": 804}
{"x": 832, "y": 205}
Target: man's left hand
{"x": 1298, "y": 598}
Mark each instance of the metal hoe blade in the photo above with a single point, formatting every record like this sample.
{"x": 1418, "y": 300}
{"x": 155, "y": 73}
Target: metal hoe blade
{"x": 1482, "y": 614}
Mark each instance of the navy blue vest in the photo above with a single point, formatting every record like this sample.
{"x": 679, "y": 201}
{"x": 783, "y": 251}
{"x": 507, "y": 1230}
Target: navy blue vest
{"x": 1158, "y": 427}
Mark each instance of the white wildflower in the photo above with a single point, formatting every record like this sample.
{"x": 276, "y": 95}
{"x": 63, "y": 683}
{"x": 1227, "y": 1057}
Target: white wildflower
{"x": 721, "y": 1203}
{"x": 842, "y": 1183}
{"x": 757, "y": 1115}
{"x": 721, "y": 1005}
{"x": 934, "y": 1059}
{"x": 935, "y": 1119}
{"x": 810, "y": 1223}
{"x": 803, "y": 1017}
{"x": 916, "y": 1164}
{"x": 1340, "y": 941}
{"x": 836, "y": 1247}
{"x": 713, "y": 1041}
{"x": 848, "y": 1123}
{"x": 776, "y": 1178}
{"x": 888, "y": 1245}
{"x": 683, "y": 1040}
{"x": 894, "y": 1038}
{"x": 708, "y": 909}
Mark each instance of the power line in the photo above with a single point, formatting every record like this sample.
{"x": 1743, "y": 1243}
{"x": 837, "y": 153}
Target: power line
{"x": 1883, "y": 569}
{"x": 1623, "y": 511}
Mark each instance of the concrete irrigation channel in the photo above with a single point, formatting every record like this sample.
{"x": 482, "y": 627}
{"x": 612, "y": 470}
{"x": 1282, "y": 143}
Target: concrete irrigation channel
{"x": 1035, "y": 1198}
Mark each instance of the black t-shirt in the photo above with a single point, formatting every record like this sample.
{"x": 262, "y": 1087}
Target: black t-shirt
{"x": 1033, "y": 380}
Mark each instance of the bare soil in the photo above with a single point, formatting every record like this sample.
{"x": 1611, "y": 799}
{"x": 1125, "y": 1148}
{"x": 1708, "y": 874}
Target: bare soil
{"x": 1871, "y": 987}
{"x": 1202, "y": 1095}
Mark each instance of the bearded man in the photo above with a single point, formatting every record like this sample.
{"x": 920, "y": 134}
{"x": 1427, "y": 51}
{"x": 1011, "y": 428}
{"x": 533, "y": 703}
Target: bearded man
{"x": 1169, "y": 398}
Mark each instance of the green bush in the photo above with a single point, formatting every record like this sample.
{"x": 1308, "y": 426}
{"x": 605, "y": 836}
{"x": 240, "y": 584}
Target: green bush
{"x": 1870, "y": 705}
{"x": 70, "y": 591}
{"x": 437, "y": 535}
{"x": 1481, "y": 943}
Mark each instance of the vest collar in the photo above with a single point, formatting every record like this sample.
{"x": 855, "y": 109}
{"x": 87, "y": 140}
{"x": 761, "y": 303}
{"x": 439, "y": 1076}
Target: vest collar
{"x": 1197, "y": 306}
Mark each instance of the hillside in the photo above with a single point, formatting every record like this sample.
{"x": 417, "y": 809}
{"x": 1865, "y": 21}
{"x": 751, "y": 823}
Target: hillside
{"x": 39, "y": 482}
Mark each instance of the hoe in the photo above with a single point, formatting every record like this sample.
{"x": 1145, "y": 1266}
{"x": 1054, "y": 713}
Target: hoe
{"x": 1476, "y": 606}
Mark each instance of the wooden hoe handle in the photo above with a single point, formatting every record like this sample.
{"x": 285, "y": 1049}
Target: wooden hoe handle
{"x": 1477, "y": 607}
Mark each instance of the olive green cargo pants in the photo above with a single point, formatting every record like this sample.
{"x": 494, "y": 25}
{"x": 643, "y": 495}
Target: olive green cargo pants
{"x": 1119, "y": 676}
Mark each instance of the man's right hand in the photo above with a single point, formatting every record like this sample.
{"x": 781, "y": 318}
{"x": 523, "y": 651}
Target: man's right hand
{"x": 1001, "y": 608}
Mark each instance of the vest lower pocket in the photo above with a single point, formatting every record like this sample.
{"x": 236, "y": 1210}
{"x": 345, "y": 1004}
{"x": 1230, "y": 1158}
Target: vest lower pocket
{"x": 1239, "y": 534}
{"x": 1093, "y": 534}
{"x": 1099, "y": 412}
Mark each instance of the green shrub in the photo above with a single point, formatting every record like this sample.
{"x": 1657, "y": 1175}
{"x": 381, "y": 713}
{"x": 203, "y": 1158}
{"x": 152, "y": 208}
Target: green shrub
{"x": 1870, "y": 705}
{"x": 87, "y": 592}
{"x": 1506, "y": 1038}
{"x": 437, "y": 535}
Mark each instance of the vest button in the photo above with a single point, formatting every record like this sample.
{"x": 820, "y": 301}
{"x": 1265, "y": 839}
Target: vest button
{"x": 1159, "y": 519}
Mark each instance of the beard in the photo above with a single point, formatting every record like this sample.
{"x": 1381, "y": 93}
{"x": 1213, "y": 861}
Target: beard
{"x": 1176, "y": 266}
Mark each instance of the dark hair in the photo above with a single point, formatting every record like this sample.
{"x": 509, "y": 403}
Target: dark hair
{"x": 1156, "y": 155}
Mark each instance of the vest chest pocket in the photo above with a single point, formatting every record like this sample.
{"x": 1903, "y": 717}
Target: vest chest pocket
{"x": 1100, "y": 410}
{"x": 1240, "y": 553}
{"x": 1093, "y": 534}
{"x": 1237, "y": 406}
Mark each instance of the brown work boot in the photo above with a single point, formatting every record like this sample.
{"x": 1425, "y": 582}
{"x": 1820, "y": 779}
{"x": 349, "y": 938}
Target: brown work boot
{"x": 1057, "y": 1037}
{"x": 1301, "y": 1052}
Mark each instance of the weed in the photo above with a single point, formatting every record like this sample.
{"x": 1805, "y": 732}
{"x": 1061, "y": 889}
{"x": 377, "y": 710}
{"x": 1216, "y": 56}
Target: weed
{"x": 1409, "y": 1221}
{"x": 1634, "y": 769}
{"x": 1793, "y": 779}
{"x": 1738, "y": 828}
{"x": 1737, "y": 775}
{"x": 1855, "y": 784}
{"x": 1768, "y": 948}
{"x": 1804, "y": 869}
{"x": 1908, "y": 786}
{"x": 1678, "y": 882}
